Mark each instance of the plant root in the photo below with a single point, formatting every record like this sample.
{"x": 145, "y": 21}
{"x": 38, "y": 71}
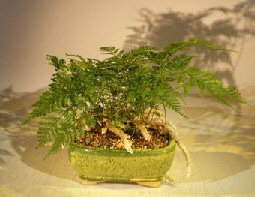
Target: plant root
{"x": 174, "y": 134}
{"x": 173, "y": 131}
{"x": 156, "y": 118}
{"x": 124, "y": 137}
{"x": 144, "y": 132}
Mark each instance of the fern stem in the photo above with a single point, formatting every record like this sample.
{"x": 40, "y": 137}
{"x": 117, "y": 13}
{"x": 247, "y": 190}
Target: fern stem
{"x": 164, "y": 107}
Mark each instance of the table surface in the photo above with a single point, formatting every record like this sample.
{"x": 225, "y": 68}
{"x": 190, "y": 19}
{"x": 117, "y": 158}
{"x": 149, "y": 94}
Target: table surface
{"x": 220, "y": 140}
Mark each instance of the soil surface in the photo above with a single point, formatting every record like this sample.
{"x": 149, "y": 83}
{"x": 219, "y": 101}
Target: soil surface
{"x": 159, "y": 139}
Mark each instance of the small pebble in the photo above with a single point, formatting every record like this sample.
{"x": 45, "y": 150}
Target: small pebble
{"x": 87, "y": 140}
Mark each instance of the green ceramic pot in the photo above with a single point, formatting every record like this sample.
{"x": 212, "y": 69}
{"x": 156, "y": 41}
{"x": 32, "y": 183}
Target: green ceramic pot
{"x": 144, "y": 165}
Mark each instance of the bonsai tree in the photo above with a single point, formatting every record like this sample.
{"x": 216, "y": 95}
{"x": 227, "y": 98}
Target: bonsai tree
{"x": 90, "y": 101}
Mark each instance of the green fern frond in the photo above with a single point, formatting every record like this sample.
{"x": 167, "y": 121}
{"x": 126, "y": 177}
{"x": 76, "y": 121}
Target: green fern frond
{"x": 184, "y": 45}
{"x": 46, "y": 104}
{"x": 122, "y": 87}
{"x": 55, "y": 130}
{"x": 60, "y": 141}
{"x": 172, "y": 101}
{"x": 206, "y": 82}
{"x": 110, "y": 50}
{"x": 54, "y": 61}
{"x": 46, "y": 130}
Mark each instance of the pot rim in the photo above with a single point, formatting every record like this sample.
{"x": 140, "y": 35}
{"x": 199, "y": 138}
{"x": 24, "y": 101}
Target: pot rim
{"x": 90, "y": 149}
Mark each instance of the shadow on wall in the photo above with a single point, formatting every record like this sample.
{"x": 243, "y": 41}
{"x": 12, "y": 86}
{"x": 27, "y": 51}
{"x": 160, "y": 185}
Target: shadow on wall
{"x": 232, "y": 28}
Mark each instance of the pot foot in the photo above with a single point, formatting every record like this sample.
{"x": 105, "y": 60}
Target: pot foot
{"x": 153, "y": 184}
{"x": 86, "y": 182}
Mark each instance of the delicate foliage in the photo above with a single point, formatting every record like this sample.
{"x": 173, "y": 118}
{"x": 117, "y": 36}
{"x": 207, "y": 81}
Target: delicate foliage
{"x": 85, "y": 92}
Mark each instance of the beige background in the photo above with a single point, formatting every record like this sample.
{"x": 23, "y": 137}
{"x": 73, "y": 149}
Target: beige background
{"x": 220, "y": 140}
{"x": 31, "y": 29}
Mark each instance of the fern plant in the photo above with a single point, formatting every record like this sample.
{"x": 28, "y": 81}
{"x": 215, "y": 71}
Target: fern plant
{"x": 122, "y": 91}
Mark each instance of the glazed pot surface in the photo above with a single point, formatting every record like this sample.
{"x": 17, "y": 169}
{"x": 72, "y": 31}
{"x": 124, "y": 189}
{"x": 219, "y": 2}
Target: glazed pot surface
{"x": 144, "y": 165}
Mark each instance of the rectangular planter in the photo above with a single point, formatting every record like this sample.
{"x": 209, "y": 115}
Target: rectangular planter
{"x": 99, "y": 165}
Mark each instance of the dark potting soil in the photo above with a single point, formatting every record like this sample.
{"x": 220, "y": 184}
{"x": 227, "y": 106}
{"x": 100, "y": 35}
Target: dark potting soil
{"x": 109, "y": 140}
